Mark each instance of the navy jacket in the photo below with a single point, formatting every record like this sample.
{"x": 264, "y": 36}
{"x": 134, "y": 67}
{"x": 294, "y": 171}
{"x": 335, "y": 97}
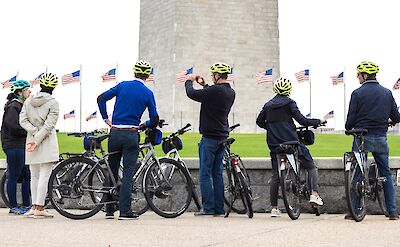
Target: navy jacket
{"x": 12, "y": 134}
{"x": 371, "y": 105}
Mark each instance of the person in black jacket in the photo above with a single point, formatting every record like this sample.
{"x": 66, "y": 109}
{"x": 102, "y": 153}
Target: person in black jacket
{"x": 216, "y": 102}
{"x": 13, "y": 138}
{"x": 277, "y": 118}
{"x": 371, "y": 107}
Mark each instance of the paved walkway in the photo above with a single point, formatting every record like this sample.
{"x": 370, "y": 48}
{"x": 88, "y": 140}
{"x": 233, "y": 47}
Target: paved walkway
{"x": 187, "y": 230}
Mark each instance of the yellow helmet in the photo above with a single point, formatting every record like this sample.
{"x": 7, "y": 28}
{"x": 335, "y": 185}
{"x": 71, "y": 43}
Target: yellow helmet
{"x": 221, "y": 68}
{"x": 282, "y": 86}
{"x": 49, "y": 80}
{"x": 368, "y": 67}
{"x": 142, "y": 67}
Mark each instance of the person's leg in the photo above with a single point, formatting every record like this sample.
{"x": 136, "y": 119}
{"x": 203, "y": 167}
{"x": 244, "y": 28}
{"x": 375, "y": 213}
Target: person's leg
{"x": 44, "y": 175}
{"x": 26, "y": 186}
{"x": 114, "y": 144}
{"x": 312, "y": 174}
{"x": 206, "y": 156}
{"x": 130, "y": 154}
{"x": 218, "y": 180}
{"x": 35, "y": 170}
{"x": 12, "y": 176}
{"x": 274, "y": 184}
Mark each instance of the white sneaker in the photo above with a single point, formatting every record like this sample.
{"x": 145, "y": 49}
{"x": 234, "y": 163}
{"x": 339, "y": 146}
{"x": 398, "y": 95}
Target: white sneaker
{"x": 275, "y": 212}
{"x": 316, "y": 200}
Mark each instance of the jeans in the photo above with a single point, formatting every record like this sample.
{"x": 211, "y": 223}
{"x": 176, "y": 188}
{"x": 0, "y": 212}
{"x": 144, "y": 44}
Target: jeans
{"x": 126, "y": 141}
{"x": 377, "y": 145}
{"x": 17, "y": 171}
{"x": 211, "y": 180}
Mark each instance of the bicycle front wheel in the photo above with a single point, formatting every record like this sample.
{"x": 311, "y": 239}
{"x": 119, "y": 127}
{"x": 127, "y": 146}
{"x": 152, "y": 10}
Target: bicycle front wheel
{"x": 290, "y": 186}
{"x": 76, "y": 188}
{"x": 3, "y": 189}
{"x": 167, "y": 188}
{"x": 354, "y": 186}
{"x": 245, "y": 194}
{"x": 139, "y": 202}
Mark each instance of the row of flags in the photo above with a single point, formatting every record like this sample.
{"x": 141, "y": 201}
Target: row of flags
{"x": 71, "y": 114}
{"x": 329, "y": 115}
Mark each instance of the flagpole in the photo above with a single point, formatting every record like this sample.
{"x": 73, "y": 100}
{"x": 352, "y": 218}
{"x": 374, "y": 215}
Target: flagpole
{"x": 344, "y": 97}
{"x": 116, "y": 74}
{"x": 80, "y": 101}
{"x": 309, "y": 81}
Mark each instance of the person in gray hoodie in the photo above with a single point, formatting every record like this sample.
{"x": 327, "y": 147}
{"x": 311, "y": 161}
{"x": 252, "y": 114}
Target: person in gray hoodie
{"x": 38, "y": 117}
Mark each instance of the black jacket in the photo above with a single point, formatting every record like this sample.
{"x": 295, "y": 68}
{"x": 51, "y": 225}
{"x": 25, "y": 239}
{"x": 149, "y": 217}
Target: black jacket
{"x": 12, "y": 134}
{"x": 277, "y": 118}
{"x": 216, "y": 102}
{"x": 371, "y": 105}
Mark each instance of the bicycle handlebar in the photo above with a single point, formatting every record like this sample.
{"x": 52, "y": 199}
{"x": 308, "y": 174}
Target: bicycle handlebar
{"x": 306, "y": 127}
{"x": 80, "y": 134}
{"x": 179, "y": 132}
{"x": 233, "y": 127}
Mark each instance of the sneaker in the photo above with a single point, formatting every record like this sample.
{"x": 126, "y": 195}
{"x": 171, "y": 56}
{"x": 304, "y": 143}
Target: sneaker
{"x": 275, "y": 212}
{"x": 30, "y": 213}
{"x": 17, "y": 211}
{"x": 130, "y": 216}
{"x": 42, "y": 214}
{"x": 109, "y": 215}
{"x": 203, "y": 213}
{"x": 393, "y": 216}
{"x": 316, "y": 199}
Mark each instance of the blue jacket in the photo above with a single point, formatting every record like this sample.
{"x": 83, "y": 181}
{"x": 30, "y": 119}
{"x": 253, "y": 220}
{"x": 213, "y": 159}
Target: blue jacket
{"x": 371, "y": 105}
{"x": 132, "y": 99}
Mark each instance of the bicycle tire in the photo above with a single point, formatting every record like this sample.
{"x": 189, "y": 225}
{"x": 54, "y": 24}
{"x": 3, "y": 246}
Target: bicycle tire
{"x": 290, "y": 185}
{"x": 354, "y": 193}
{"x": 3, "y": 190}
{"x": 156, "y": 190}
{"x": 245, "y": 194}
{"x": 54, "y": 188}
{"x": 139, "y": 203}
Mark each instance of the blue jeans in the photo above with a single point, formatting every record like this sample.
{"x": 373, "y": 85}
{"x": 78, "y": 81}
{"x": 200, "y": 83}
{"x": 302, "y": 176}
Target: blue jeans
{"x": 211, "y": 180}
{"x": 17, "y": 171}
{"x": 126, "y": 141}
{"x": 377, "y": 145}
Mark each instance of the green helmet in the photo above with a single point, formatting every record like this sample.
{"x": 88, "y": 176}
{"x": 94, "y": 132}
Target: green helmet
{"x": 20, "y": 84}
{"x": 221, "y": 68}
{"x": 282, "y": 86}
{"x": 142, "y": 67}
{"x": 49, "y": 80}
{"x": 368, "y": 67}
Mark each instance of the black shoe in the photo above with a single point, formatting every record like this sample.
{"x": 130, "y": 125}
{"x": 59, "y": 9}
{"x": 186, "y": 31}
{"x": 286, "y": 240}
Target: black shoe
{"x": 109, "y": 215}
{"x": 348, "y": 217}
{"x": 393, "y": 216}
{"x": 130, "y": 216}
{"x": 202, "y": 213}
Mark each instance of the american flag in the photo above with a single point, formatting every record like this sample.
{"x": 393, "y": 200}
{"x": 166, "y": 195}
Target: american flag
{"x": 36, "y": 80}
{"x": 70, "y": 114}
{"x": 182, "y": 76}
{"x": 337, "y": 79}
{"x": 71, "y": 78}
{"x": 150, "y": 79}
{"x": 396, "y": 85}
{"x": 110, "y": 75}
{"x": 303, "y": 75}
{"x": 264, "y": 76}
{"x": 329, "y": 115}
{"x": 7, "y": 83}
{"x": 92, "y": 116}
{"x": 231, "y": 77}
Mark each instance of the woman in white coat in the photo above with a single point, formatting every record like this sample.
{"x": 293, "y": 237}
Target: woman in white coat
{"x": 38, "y": 117}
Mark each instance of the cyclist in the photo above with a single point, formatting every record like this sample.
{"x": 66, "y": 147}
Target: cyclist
{"x": 39, "y": 117}
{"x": 132, "y": 99}
{"x": 13, "y": 138}
{"x": 277, "y": 118}
{"x": 216, "y": 102}
{"x": 370, "y": 107}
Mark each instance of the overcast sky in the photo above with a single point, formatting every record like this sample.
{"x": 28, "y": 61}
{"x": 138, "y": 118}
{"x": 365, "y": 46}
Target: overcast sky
{"x": 325, "y": 36}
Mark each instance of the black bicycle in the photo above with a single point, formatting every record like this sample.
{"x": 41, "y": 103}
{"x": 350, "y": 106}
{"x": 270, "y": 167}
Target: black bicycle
{"x": 362, "y": 180}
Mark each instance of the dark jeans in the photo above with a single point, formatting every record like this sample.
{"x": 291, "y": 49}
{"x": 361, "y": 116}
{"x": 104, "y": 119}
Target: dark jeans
{"x": 18, "y": 171}
{"x": 211, "y": 179}
{"x": 126, "y": 141}
{"x": 377, "y": 145}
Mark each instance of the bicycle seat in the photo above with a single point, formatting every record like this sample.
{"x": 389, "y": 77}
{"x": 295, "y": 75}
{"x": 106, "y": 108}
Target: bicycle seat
{"x": 356, "y": 132}
{"x": 227, "y": 141}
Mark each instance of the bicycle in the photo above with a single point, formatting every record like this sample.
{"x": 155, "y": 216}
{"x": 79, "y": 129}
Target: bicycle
{"x": 295, "y": 184}
{"x": 86, "y": 184}
{"x": 238, "y": 182}
{"x": 362, "y": 180}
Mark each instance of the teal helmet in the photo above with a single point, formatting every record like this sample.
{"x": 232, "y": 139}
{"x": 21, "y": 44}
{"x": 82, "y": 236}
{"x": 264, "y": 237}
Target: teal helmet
{"x": 20, "y": 84}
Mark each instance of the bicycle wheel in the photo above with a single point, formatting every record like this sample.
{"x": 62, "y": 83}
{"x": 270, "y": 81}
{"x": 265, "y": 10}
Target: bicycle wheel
{"x": 354, "y": 186}
{"x": 245, "y": 194}
{"x": 74, "y": 191}
{"x": 3, "y": 189}
{"x": 167, "y": 188}
{"x": 139, "y": 202}
{"x": 380, "y": 197}
{"x": 290, "y": 185}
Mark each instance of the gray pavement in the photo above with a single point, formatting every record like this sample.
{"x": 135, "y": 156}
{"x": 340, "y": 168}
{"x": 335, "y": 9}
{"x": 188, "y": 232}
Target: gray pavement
{"x": 188, "y": 230}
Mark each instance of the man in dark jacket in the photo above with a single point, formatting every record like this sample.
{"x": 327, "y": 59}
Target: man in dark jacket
{"x": 371, "y": 107}
{"x": 277, "y": 118}
{"x": 216, "y": 102}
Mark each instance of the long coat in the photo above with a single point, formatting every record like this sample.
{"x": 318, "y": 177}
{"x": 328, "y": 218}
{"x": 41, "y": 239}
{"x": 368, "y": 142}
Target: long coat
{"x": 38, "y": 117}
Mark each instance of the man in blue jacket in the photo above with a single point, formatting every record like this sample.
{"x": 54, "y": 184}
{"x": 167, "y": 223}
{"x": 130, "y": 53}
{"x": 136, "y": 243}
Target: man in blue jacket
{"x": 132, "y": 99}
{"x": 371, "y": 107}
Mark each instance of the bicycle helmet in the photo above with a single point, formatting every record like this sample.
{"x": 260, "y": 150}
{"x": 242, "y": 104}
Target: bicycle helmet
{"x": 282, "y": 86}
{"x": 21, "y": 84}
{"x": 142, "y": 67}
{"x": 368, "y": 67}
{"x": 221, "y": 68}
{"x": 49, "y": 80}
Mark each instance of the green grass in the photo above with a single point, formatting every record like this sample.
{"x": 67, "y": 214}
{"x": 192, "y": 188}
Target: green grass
{"x": 247, "y": 145}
